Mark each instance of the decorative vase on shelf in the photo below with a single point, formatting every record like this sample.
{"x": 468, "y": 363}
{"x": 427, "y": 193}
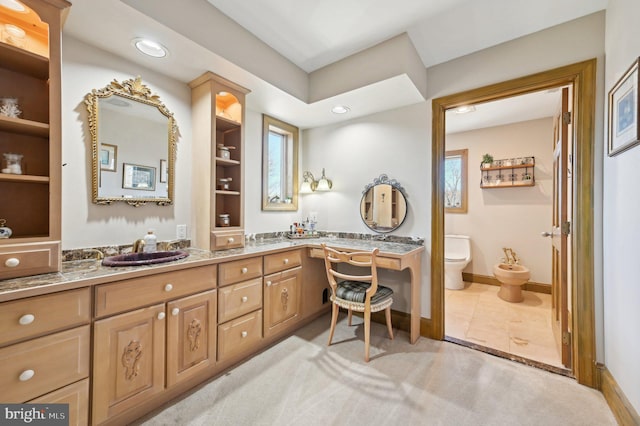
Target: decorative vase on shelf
{"x": 9, "y": 107}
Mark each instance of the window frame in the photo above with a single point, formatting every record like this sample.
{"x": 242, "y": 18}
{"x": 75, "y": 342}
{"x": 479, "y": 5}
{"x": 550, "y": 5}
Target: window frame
{"x": 464, "y": 183}
{"x": 292, "y": 134}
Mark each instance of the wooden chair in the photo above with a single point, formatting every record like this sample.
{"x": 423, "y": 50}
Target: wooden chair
{"x": 360, "y": 293}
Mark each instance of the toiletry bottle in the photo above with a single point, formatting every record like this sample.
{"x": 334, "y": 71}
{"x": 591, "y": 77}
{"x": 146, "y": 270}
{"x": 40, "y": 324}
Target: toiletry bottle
{"x": 150, "y": 242}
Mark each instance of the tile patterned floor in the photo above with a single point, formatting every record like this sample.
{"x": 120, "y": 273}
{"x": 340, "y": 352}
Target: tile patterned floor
{"x": 477, "y": 315}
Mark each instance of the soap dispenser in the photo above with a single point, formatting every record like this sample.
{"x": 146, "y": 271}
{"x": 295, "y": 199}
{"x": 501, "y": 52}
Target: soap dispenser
{"x": 150, "y": 242}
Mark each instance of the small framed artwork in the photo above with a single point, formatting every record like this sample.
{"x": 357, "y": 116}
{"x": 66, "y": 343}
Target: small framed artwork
{"x": 108, "y": 157}
{"x": 138, "y": 177}
{"x": 623, "y": 112}
{"x": 163, "y": 171}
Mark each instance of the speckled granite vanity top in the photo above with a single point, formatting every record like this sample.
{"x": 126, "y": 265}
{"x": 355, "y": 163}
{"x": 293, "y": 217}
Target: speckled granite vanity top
{"x": 82, "y": 273}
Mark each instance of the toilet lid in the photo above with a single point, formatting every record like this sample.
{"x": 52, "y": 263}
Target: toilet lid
{"x": 453, "y": 258}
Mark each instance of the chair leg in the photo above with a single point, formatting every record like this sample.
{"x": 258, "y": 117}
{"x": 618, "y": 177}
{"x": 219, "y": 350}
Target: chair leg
{"x": 367, "y": 332}
{"x": 387, "y": 315}
{"x": 349, "y": 317}
{"x": 334, "y": 319}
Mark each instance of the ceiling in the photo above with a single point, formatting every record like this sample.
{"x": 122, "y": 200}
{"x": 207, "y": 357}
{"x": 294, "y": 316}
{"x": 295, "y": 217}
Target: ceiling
{"x": 302, "y": 36}
{"x": 314, "y": 33}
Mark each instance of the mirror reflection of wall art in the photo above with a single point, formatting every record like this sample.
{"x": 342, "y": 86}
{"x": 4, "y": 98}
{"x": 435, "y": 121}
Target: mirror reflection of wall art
{"x": 163, "y": 171}
{"x": 623, "y": 112}
{"x": 138, "y": 177}
{"x": 108, "y": 157}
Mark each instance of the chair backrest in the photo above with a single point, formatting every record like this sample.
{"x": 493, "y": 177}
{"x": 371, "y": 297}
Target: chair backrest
{"x": 367, "y": 259}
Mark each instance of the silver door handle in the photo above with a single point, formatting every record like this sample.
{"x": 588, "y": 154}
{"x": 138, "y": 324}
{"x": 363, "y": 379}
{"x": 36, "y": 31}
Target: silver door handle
{"x": 547, "y": 234}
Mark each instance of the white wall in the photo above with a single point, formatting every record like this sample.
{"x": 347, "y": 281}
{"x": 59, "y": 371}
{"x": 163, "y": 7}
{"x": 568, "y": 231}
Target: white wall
{"x": 507, "y": 217}
{"x": 85, "y": 224}
{"x": 398, "y": 142}
{"x": 621, "y": 225}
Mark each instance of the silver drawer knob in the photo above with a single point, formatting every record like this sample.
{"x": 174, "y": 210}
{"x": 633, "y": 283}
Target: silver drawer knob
{"x": 230, "y": 240}
{"x": 175, "y": 311}
{"x": 268, "y": 283}
{"x": 12, "y": 262}
{"x": 244, "y": 334}
{"x": 161, "y": 315}
{"x": 26, "y": 319}
{"x": 244, "y": 270}
{"x": 244, "y": 299}
{"x": 26, "y": 375}
{"x": 168, "y": 287}
{"x": 286, "y": 261}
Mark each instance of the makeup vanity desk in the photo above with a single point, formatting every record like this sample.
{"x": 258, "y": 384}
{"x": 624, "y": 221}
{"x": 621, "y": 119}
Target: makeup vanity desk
{"x": 394, "y": 256}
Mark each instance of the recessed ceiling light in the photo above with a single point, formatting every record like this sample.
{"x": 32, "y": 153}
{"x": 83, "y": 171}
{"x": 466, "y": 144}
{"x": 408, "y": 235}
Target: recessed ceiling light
{"x": 14, "y": 5}
{"x": 465, "y": 109}
{"x": 150, "y": 48}
{"x": 340, "y": 109}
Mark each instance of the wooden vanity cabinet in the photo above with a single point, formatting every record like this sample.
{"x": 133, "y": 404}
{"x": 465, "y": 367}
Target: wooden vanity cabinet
{"x": 133, "y": 352}
{"x": 239, "y": 307}
{"x": 282, "y": 291}
{"x": 31, "y": 73}
{"x": 44, "y": 351}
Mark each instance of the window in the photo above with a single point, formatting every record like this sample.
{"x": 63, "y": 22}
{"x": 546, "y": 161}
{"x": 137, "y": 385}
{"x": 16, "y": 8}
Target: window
{"x": 279, "y": 165}
{"x": 455, "y": 181}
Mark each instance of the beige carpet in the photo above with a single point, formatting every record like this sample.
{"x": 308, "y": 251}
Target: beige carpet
{"x": 301, "y": 381}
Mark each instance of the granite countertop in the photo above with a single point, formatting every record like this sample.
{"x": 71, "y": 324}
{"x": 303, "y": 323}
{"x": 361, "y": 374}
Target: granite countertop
{"x": 82, "y": 273}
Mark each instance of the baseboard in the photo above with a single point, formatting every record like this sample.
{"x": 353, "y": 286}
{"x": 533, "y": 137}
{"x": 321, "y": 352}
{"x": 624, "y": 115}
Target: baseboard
{"x": 485, "y": 279}
{"x": 622, "y": 409}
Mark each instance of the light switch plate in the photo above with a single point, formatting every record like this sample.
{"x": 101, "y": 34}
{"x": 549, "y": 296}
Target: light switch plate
{"x": 181, "y": 232}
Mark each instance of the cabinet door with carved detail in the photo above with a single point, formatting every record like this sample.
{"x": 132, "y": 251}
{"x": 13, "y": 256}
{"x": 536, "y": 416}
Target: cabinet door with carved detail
{"x": 281, "y": 300}
{"x": 191, "y": 336}
{"x": 128, "y": 360}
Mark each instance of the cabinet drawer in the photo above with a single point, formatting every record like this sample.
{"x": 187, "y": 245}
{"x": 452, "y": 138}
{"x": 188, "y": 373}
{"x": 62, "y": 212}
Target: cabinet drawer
{"x": 227, "y": 240}
{"x": 383, "y": 262}
{"x": 35, "y": 367}
{"x": 281, "y": 261}
{"x": 76, "y": 395}
{"x": 21, "y": 260}
{"x": 26, "y": 318}
{"x": 138, "y": 292}
{"x": 239, "y": 299}
{"x": 239, "y": 270}
{"x": 239, "y": 335}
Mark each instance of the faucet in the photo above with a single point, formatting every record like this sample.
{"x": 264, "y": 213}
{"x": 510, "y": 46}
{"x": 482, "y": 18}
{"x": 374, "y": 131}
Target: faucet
{"x": 98, "y": 254}
{"x": 137, "y": 246}
{"x": 510, "y": 256}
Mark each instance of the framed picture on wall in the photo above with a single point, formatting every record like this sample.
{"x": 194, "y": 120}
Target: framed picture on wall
{"x": 108, "y": 157}
{"x": 138, "y": 177}
{"x": 623, "y": 112}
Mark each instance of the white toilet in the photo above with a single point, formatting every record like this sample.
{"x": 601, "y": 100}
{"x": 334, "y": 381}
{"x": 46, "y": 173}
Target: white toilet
{"x": 457, "y": 255}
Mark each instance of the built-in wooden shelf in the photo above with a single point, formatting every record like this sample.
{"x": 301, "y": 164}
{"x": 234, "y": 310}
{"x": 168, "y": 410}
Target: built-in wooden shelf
{"x": 23, "y": 61}
{"x": 22, "y": 126}
{"x": 223, "y": 192}
{"x": 7, "y": 177}
{"x": 226, "y": 163}
{"x": 224, "y": 124}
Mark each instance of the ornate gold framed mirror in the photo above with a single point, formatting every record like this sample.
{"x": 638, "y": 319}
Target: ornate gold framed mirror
{"x": 133, "y": 145}
{"x": 383, "y": 207}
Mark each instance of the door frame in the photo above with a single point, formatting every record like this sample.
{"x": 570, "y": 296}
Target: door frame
{"x": 582, "y": 76}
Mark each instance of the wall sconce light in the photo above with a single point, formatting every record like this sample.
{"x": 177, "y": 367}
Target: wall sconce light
{"x": 310, "y": 184}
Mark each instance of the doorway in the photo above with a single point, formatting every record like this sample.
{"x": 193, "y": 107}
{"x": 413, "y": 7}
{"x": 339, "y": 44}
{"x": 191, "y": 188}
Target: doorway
{"x": 582, "y": 77}
{"x": 511, "y": 201}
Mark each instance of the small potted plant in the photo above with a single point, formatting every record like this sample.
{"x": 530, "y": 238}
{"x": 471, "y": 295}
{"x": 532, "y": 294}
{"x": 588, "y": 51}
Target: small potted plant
{"x": 487, "y": 160}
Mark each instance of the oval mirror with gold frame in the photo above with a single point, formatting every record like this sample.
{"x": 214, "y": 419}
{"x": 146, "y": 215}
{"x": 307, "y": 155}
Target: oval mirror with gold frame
{"x": 383, "y": 207}
{"x": 133, "y": 145}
